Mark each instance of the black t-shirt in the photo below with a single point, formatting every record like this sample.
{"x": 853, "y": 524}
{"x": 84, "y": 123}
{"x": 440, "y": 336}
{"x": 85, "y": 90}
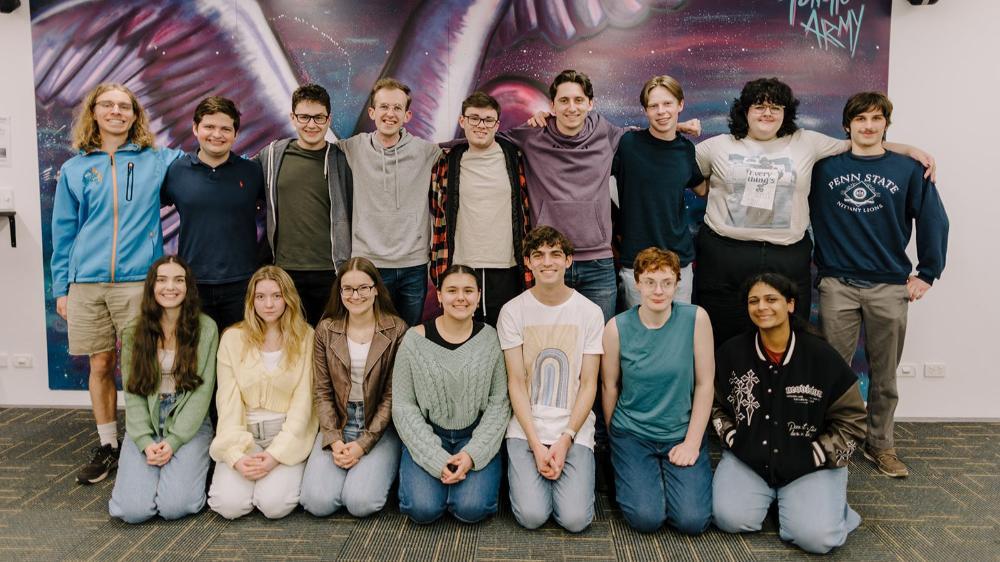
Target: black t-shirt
{"x": 431, "y": 333}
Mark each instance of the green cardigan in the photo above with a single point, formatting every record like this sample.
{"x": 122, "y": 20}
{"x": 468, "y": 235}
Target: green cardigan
{"x": 142, "y": 413}
{"x": 450, "y": 388}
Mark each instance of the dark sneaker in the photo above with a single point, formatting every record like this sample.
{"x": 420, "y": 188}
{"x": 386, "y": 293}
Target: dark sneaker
{"x": 105, "y": 460}
{"x": 887, "y": 462}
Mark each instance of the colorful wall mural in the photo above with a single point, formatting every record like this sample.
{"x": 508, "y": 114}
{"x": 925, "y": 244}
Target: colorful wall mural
{"x": 172, "y": 53}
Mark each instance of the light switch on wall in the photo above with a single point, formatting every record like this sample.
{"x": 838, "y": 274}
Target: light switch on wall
{"x": 6, "y": 199}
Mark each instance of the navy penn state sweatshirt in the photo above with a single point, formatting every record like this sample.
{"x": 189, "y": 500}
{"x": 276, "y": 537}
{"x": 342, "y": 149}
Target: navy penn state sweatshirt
{"x": 863, "y": 210}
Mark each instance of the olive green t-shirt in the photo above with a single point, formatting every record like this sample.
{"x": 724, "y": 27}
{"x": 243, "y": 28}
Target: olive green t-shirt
{"x": 303, "y": 211}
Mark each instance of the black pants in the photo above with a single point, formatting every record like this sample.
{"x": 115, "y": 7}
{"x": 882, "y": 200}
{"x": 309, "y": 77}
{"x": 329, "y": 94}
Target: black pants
{"x": 223, "y": 302}
{"x": 496, "y": 287}
{"x": 314, "y": 290}
{"x": 724, "y": 264}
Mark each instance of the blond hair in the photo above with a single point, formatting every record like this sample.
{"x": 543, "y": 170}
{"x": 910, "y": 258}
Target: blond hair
{"x": 292, "y": 324}
{"x": 663, "y": 81}
{"x": 87, "y": 136}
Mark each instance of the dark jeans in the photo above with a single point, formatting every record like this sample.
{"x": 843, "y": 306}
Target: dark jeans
{"x": 651, "y": 490}
{"x": 724, "y": 264}
{"x": 314, "y": 290}
{"x": 497, "y": 287}
{"x": 596, "y": 280}
{"x": 408, "y": 288}
{"x": 425, "y": 499}
{"x": 223, "y": 302}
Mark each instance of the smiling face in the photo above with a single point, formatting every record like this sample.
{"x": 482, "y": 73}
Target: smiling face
{"x": 312, "y": 135}
{"x": 216, "y": 133}
{"x": 357, "y": 292}
{"x": 571, "y": 106}
{"x": 657, "y": 288}
{"x": 459, "y": 296}
{"x": 389, "y": 112}
{"x": 114, "y": 113}
{"x": 867, "y": 132}
{"x": 170, "y": 287}
{"x": 481, "y": 135}
{"x": 767, "y": 307}
{"x": 268, "y": 302}
{"x": 764, "y": 119}
{"x": 662, "y": 110}
{"x": 548, "y": 264}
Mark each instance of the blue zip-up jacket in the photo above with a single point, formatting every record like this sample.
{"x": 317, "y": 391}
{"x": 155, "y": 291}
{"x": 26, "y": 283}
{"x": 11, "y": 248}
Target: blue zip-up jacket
{"x": 106, "y": 216}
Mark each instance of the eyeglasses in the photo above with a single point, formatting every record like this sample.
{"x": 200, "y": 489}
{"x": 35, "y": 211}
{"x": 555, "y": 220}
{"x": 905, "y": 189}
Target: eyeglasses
{"x": 762, "y": 107}
{"x": 475, "y": 121}
{"x": 364, "y": 291}
{"x": 393, "y": 108}
{"x": 305, "y": 119}
{"x": 650, "y": 284}
{"x": 125, "y": 107}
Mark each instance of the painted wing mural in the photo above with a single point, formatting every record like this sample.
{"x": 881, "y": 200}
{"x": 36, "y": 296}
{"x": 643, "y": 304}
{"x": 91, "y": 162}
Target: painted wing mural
{"x": 172, "y": 53}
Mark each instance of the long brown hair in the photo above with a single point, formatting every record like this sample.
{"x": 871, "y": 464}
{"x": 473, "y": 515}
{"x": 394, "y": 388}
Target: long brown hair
{"x": 144, "y": 375}
{"x": 87, "y": 136}
{"x": 292, "y": 324}
{"x": 335, "y": 308}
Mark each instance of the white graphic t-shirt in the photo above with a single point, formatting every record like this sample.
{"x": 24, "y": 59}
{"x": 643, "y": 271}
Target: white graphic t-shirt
{"x": 553, "y": 341}
{"x": 759, "y": 190}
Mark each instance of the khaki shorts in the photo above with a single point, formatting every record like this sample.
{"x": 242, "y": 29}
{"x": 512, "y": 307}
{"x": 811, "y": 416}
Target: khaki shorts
{"x": 96, "y": 314}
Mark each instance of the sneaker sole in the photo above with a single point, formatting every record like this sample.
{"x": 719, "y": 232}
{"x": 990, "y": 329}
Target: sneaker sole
{"x": 100, "y": 478}
{"x": 884, "y": 471}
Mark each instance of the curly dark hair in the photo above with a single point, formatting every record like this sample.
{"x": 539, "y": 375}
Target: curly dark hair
{"x": 144, "y": 368}
{"x": 763, "y": 90}
{"x": 545, "y": 236}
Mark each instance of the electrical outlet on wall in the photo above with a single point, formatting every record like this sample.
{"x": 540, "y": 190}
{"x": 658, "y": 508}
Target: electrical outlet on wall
{"x": 908, "y": 370}
{"x": 6, "y": 199}
{"x": 22, "y": 361}
{"x": 934, "y": 370}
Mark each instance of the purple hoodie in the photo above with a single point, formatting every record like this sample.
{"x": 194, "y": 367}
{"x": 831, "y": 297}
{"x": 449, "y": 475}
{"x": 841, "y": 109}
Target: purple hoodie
{"x": 568, "y": 181}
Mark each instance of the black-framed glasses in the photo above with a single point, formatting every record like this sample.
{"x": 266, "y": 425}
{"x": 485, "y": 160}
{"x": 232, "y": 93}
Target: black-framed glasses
{"x": 363, "y": 291}
{"x": 318, "y": 119}
{"x": 475, "y": 121}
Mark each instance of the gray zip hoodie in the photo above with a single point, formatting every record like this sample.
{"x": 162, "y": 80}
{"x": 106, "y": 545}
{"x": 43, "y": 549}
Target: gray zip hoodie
{"x": 391, "y": 215}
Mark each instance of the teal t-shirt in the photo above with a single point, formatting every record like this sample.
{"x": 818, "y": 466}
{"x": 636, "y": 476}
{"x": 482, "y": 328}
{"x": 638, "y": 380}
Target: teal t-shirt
{"x": 657, "y": 375}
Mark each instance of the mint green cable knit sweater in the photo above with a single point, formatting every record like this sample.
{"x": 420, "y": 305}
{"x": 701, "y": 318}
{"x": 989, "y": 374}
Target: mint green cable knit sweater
{"x": 450, "y": 388}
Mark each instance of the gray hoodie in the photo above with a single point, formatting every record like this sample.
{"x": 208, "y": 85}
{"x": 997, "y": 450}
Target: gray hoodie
{"x": 391, "y": 215}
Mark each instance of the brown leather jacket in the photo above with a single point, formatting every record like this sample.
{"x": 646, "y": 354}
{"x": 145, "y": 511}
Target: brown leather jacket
{"x": 332, "y": 379}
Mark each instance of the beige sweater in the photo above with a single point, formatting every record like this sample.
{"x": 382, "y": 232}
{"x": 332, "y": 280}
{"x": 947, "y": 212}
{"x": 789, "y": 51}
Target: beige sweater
{"x": 244, "y": 385}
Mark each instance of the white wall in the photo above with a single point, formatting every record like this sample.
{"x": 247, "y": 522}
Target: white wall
{"x": 942, "y": 79}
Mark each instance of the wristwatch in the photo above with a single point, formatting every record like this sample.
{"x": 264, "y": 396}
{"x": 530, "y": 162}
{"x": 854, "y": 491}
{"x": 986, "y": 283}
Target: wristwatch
{"x": 570, "y": 432}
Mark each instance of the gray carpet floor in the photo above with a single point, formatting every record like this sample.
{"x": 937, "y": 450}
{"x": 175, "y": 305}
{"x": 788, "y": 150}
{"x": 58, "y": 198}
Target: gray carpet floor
{"x": 948, "y": 509}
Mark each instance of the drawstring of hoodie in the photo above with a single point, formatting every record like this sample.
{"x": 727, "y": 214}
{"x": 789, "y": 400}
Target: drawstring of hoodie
{"x": 326, "y": 160}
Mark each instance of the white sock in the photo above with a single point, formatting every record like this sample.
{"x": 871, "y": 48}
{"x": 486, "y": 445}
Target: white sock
{"x": 108, "y": 433}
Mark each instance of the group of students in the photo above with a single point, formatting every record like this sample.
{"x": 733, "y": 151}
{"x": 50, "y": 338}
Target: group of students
{"x": 300, "y": 407}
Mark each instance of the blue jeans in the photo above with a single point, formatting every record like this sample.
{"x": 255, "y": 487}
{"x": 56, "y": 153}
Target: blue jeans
{"x": 425, "y": 499}
{"x": 812, "y": 509}
{"x": 651, "y": 490}
{"x": 570, "y": 498}
{"x": 595, "y": 279}
{"x": 408, "y": 288}
{"x": 172, "y": 491}
{"x": 364, "y": 487}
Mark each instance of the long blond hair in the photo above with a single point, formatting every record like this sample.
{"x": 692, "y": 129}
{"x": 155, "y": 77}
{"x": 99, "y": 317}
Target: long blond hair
{"x": 292, "y": 324}
{"x": 86, "y": 134}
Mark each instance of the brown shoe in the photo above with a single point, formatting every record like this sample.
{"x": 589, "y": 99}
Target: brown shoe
{"x": 887, "y": 462}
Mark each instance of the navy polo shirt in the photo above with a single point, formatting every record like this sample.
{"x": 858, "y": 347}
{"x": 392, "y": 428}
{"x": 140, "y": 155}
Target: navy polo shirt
{"x": 218, "y": 212}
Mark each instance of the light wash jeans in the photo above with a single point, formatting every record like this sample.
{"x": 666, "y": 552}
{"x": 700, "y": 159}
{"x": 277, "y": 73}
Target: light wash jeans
{"x": 364, "y": 487}
{"x": 570, "y": 498}
{"x": 812, "y": 509}
{"x": 682, "y": 294}
{"x": 175, "y": 490}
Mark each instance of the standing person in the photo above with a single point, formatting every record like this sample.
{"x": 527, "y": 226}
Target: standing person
{"x": 657, "y": 373}
{"x": 309, "y": 188}
{"x": 758, "y": 207}
{"x": 551, "y": 337}
{"x": 217, "y": 194}
{"x": 266, "y": 420}
{"x": 451, "y": 409}
{"x": 168, "y": 371}
{"x": 653, "y": 167}
{"x": 789, "y": 413}
{"x": 864, "y": 205}
{"x": 356, "y": 454}
{"x": 105, "y": 235}
{"x": 391, "y": 223}
{"x": 484, "y": 231}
